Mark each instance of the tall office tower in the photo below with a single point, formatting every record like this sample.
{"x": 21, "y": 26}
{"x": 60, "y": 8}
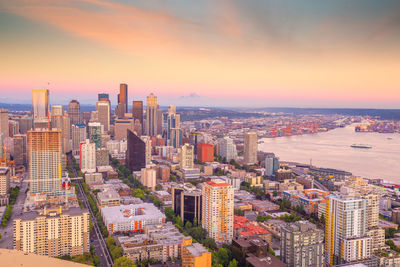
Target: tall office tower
{"x": 95, "y": 131}
{"x": 136, "y": 152}
{"x": 88, "y": 156}
{"x": 148, "y": 178}
{"x": 186, "y": 203}
{"x": 1, "y": 145}
{"x": 227, "y": 149}
{"x": 173, "y": 121}
{"x": 40, "y": 104}
{"x": 160, "y": 121}
{"x": 137, "y": 128}
{"x": 94, "y": 116}
{"x": 147, "y": 141}
{"x": 103, "y": 97}
{"x": 103, "y": 110}
{"x": 44, "y": 154}
{"x": 20, "y": 145}
{"x": 121, "y": 126}
{"x": 187, "y": 157}
{"x": 61, "y": 122}
{"x": 217, "y": 211}
{"x": 74, "y": 112}
{"x": 25, "y": 124}
{"x": 137, "y": 112}
{"x": 53, "y": 233}
{"x": 4, "y": 122}
{"x": 250, "y": 148}
{"x": 123, "y": 96}
{"x": 176, "y": 137}
{"x": 151, "y": 115}
{"x": 79, "y": 135}
{"x": 4, "y": 185}
{"x": 13, "y": 128}
{"x": 86, "y": 116}
{"x": 345, "y": 231}
{"x": 302, "y": 244}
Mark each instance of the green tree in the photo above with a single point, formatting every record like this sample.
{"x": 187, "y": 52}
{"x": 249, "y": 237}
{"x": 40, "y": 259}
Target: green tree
{"x": 96, "y": 260}
{"x": 209, "y": 243}
{"x": 221, "y": 257}
{"x": 110, "y": 241}
{"x": 116, "y": 252}
{"x": 233, "y": 263}
{"x": 123, "y": 262}
{"x": 158, "y": 187}
{"x": 188, "y": 225}
{"x": 179, "y": 221}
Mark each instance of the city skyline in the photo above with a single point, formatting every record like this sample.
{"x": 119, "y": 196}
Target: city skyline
{"x": 229, "y": 53}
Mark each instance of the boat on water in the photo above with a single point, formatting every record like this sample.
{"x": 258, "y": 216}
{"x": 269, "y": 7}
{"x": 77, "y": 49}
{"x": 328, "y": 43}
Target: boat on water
{"x": 360, "y": 146}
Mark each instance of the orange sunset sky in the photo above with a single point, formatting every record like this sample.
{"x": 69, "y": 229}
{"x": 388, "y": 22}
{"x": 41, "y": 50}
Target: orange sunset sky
{"x": 307, "y": 53}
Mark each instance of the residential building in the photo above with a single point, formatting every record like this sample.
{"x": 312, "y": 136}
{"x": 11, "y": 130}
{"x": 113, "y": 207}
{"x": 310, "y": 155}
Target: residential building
{"x": 205, "y": 153}
{"x": 20, "y": 149}
{"x": 148, "y": 178}
{"x": 88, "y": 156}
{"x": 187, "y": 202}
{"x": 79, "y": 135}
{"x": 95, "y": 132}
{"x": 109, "y": 197}
{"x": 4, "y": 185}
{"x": 309, "y": 199}
{"x": 187, "y": 157}
{"x": 176, "y": 137}
{"x": 250, "y": 148}
{"x": 217, "y": 210}
{"x": 53, "y": 233}
{"x": 227, "y": 149}
{"x": 4, "y": 123}
{"x": 195, "y": 255}
{"x": 302, "y": 244}
{"x": 148, "y": 147}
{"x": 44, "y": 153}
{"x": 131, "y": 218}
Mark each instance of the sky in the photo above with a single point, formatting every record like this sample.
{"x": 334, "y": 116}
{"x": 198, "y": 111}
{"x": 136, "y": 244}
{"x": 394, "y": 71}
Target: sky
{"x": 252, "y": 53}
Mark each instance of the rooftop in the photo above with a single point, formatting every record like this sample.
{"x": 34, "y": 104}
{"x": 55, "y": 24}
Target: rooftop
{"x": 127, "y": 213}
{"x": 196, "y": 249}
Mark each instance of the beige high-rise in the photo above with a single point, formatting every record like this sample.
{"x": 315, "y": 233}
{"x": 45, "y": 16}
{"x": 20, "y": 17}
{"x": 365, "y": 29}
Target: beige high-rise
{"x": 217, "y": 210}
{"x": 4, "y": 122}
{"x": 103, "y": 110}
{"x": 53, "y": 233}
{"x": 250, "y": 148}
{"x": 187, "y": 157}
{"x": 151, "y": 115}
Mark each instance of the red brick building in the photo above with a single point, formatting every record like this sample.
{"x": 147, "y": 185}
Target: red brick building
{"x": 205, "y": 153}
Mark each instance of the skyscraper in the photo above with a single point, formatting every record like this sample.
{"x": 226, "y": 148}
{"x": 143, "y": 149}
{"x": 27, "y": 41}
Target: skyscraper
{"x": 95, "y": 132}
{"x": 151, "y": 115}
{"x": 217, "y": 211}
{"x": 147, "y": 141}
{"x": 103, "y": 97}
{"x": 88, "y": 156}
{"x": 302, "y": 244}
{"x": 123, "y": 96}
{"x": 227, "y": 149}
{"x": 40, "y": 108}
{"x": 4, "y": 122}
{"x": 40, "y": 103}
{"x": 45, "y": 155}
{"x": 78, "y": 135}
{"x": 4, "y": 185}
{"x": 250, "y": 148}
{"x": 61, "y": 122}
{"x": 137, "y": 112}
{"x": 187, "y": 157}
{"x": 176, "y": 137}
{"x": 136, "y": 152}
{"x": 74, "y": 112}
{"x": 345, "y": 232}
{"x": 120, "y": 127}
{"x": 103, "y": 109}
{"x": 20, "y": 145}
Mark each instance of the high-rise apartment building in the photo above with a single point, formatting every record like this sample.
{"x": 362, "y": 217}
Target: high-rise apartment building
{"x": 79, "y": 135}
{"x": 74, "y": 112}
{"x": 4, "y": 185}
{"x": 217, "y": 211}
{"x": 176, "y": 136}
{"x": 346, "y": 237}
{"x": 148, "y": 178}
{"x": 137, "y": 112}
{"x": 136, "y": 152}
{"x": 302, "y": 244}
{"x": 88, "y": 156}
{"x": 4, "y": 122}
{"x": 53, "y": 233}
{"x": 187, "y": 157}
{"x": 103, "y": 111}
{"x": 227, "y": 149}
{"x": 151, "y": 115}
{"x": 95, "y": 132}
{"x": 44, "y": 154}
{"x": 250, "y": 148}
{"x": 60, "y": 121}
{"x": 205, "y": 153}
{"x": 20, "y": 147}
{"x": 147, "y": 141}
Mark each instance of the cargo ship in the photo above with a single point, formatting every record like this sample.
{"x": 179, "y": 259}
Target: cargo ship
{"x": 360, "y": 146}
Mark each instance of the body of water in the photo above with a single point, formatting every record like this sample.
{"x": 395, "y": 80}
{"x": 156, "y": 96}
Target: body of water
{"x": 332, "y": 150}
